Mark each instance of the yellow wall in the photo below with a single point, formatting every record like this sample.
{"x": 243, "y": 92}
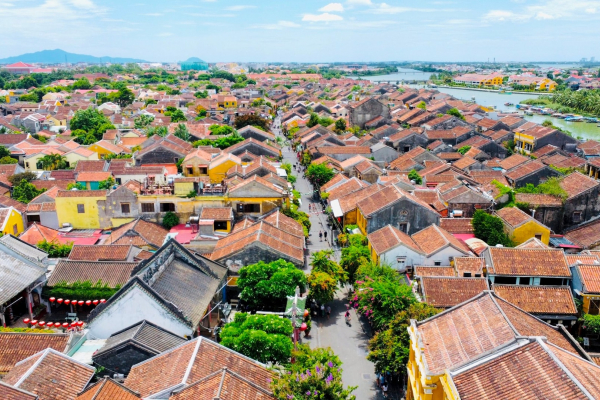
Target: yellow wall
{"x": 350, "y": 217}
{"x": 14, "y": 218}
{"x": 492, "y": 82}
{"x": 525, "y": 139}
{"x": 527, "y": 231}
{"x": 219, "y": 172}
{"x": 66, "y": 210}
{"x": 194, "y": 163}
{"x": 361, "y": 221}
{"x": 73, "y": 158}
{"x": 116, "y": 222}
{"x": 101, "y": 151}
{"x": 183, "y": 188}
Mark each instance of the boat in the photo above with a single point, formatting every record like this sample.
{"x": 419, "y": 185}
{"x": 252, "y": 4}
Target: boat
{"x": 591, "y": 120}
{"x": 528, "y": 112}
{"x": 508, "y": 104}
{"x": 574, "y": 119}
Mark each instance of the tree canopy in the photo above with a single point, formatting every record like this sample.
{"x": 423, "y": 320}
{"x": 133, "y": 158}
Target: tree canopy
{"x": 89, "y": 126}
{"x": 265, "y": 285}
{"x": 25, "y": 192}
{"x": 319, "y": 174}
{"x": 490, "y": 229}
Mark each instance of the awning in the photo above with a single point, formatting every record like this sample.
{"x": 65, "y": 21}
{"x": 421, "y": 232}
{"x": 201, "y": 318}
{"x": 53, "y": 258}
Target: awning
{"x": 336, "y": 208}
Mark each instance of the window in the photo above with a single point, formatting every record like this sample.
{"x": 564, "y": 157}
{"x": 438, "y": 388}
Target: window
{"x": 538, "y": 236}
{"x": 80, "y": 208}
{"x": 406, "y": 149}
{"x": 15, "y": 229}
{"x": 147, "y": 207}
{"x": 190, "y": 170}
{"x": 248, "y": 208}
{"x": 27, "y": 165}
{"x": 505, "y": 280}
{"x": 525, "y": 281}
{"x": 220, "y": 225}
{"x": 403, "y": 226}
{"x": 551, "y": 281}
{"x": 437, "y": 263}
{"x": 477, "y": 275}
{"x": 577, "y": 216}
{"x": 401, "y": 262}
{"x": 166, "y": 207}
{"x": 125, "y": 209}
{"x": 466, "y": 274}
{"x": 203, "y": 170}
{"x": 594, "y": 307}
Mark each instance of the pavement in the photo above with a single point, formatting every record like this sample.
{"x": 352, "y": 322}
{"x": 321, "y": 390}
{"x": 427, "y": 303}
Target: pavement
{"x": 349, "y": 342}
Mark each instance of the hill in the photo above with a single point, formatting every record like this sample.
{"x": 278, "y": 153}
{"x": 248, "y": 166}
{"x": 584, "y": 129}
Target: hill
{"x": 59, "y": 56}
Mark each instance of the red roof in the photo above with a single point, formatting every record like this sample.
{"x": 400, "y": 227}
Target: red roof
{"x": 19, "y": 64}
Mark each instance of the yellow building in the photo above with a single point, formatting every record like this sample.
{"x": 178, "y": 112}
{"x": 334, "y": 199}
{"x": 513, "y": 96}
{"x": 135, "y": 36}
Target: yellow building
{"x": 81, "y": 208}
{"x": 196, "y": 163}
{"x": 446, "y": 348}
{"x": 218, "y": 167}
{"x": 105, "y": 148}
{"x": 11, "y": 221}
{"x": 524, "y": 143}
{"x": 521, "y": 227}
{"x": 480, "y": 80}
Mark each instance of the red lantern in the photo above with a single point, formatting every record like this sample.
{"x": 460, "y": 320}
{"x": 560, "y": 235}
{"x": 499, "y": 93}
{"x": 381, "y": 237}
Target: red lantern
{"x": 41, "y": 323}
{"x": 303, "y": 327}
{"x": 50, "y": 324}
{"x": 81, "y": 302}
{"x": 80, "y": 323}
{"x": 102, "y": 301}
{"x": 67, "y": 301}
{"x": 52, "y": 299}
{"x": 88, "y": 302}
{"x": 26, "y": 320}
{"x": 305, "y": 313}
{"x": 65, "y": 324}
{"x": 95, "y": 302}
{"x": 34, "y": 322}
{"x": 59, "y": 301}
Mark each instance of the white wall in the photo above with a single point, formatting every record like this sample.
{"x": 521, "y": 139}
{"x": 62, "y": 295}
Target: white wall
{"x": 412, "y": 257}
{"x": 443, "y": 256}
{"x": 135, "y": 306}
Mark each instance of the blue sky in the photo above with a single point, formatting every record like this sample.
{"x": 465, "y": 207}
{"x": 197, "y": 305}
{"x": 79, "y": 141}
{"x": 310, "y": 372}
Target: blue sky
{"x": 306, "y": 30}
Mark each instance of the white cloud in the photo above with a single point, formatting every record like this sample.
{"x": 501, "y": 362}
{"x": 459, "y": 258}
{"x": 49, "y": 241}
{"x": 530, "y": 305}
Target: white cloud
{"x": 239, "y": 8}
{"x": 332, "y": 7}
{"x": 325, "y": 17}
{"x": 360, "y": 2}
{"x": 277, "y": 26}
{"x": 549, "y": 10}
{"x": 164, "y": 34}
{"x": 385, "y": 8}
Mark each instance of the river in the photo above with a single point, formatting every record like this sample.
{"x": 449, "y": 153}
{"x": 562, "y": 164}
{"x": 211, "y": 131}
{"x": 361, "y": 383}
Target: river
{"x": 403, "y": 74}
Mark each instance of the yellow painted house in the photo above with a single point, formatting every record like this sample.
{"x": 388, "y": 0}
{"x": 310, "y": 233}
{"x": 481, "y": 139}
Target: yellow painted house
{"x": 524, "y": 143}
{"x": 462, "y": 352}
{"x": 11, "y": 221}
{"x": 521, "y": 227}
{"x": 106, "y": 148}
{"x": 81, "y": 208}
{"x": 196, "y": 163}
{"x": 218, "y": 167}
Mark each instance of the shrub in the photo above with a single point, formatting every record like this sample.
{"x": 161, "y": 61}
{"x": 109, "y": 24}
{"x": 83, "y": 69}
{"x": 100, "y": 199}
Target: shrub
{"x": 170, "y": 220}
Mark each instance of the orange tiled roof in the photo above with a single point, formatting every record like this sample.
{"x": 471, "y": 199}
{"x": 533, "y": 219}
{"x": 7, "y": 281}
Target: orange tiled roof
{"x": 15, "y": 347}
{"x": 107, "y": 389}
{"x": 389, "y": 237}
{"x": 539, "y": 299}
{"x": 527, "y": 262}
{"x": 445, "y": 292}
{"x": 423, "y": 271}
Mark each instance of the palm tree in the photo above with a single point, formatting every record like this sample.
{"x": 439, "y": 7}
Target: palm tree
{"x": 53, "y": 161}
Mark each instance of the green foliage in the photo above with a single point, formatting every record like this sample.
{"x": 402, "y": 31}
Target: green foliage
{"x": 265, "y": 338}
{"x": 299, "y": 216}
{"x": 78, "y": 186}
{"x": 463, "y": 150}
{"x": 175, "y": 114}
{"x": 201, "y": 95}
{"x": 316, "y": 371}
{"x": 490, "y": 229}
{"x": 389, "y": 349}
{"x": 591, "y": 323}
{"x": 313, "y": 121}
{"x": 220, "y": 129}
{"x": 322, "y": 286}
{"x": 92, "y": 123}
{"x": 221, "y": 143}
{"x": 322, "y": 261}
{"x": 113, "y": 156}
{"x": 340, "y": 125}
{"x": 80, "y": 290}
{"x": 263, "y": 285}
{"x": 422, "y": 105}
{"x": 551, "y": 187}
{"x": 192, "y": 194}
{"x": 123, "y": 97}
{"x": 107, "y": 183}
{"x": 287, "y": 167}
{"x": 4, "y": 152}
{"x": 161, "y": 131}
{"x": 291, "y": 179}
{"x": 25, "y": 192}
{"x": 170, "y": 220}
{"x": 17, "y": 178}
{"x": 354, "y": 256}
{"x": 51, "y": 162}
{"x": 55, "y": 249}
{"x": 182, "y": 132}
{"x": 566, "y": 170}
{"x": 143, "y": 121}
{"x": 30, "y": 97}
{"x": 24, "y": 330}
{"x": 381, "y": 300}
{"x": 82, "y": 84}
{"x": 319, "y": 174}
{"x": 252, "y": 120}
{"x": 413, "y": 175}
{"x": 455, "y": 113}
{"x": 8, "y": 160}
{"x": 375, "y": 272}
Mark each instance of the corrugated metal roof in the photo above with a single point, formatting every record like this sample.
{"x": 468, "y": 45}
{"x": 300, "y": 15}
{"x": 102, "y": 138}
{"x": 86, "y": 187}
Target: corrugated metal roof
{"x": 16, "y": 271}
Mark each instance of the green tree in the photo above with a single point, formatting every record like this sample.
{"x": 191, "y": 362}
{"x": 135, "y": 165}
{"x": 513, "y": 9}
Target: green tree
{"x": 221, "y": 130}
{"x": 78, "y": 186}
{"x": 4, "y": 152}
{"x": 201, "y": 95}
{"x": 17, "y": 178}
{"x": 8, "y": 160}
{"x": 313, "y": 121}
{"x": 463, "y": 150}
{"x": 322, "y": 261}
{"x": 263, "y": 285}
{"x": 53, "y": 161}
{"x": 82, "y": 83}
{"x": 175, "y": 114}
{"x": 143, "y": 121}
{"x": 107, "y": 183}
{"x": 25, "y": 192}
{"x": 353, "y": 257}
{"x": 170, "y": 220}
{"x": 92, "y": 122}
{"x": 422, "y": 105}
{"x": 389, "y": 349}
{"x": 252, "y": 120}
{"x": 181, "y": 131}
{"x": 161, "y": 131}
{"x": 340, "y": 125}
{"x": 322, "y": 286}
{"x": 413, "y": 175}
{"x": 55, "y": 249}
{"x": 317, "y": 371}
{"x": 265, "y": 338}
{"x": 123, "y": 97}
{"x": 490, "y": 229}
{"x": 455, "y": 113}
{"x": 221, "y": 143}
{"x": 319, "y": 174}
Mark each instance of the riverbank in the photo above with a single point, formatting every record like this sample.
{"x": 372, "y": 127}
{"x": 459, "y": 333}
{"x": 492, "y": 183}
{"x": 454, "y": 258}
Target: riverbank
{"x": 490, "y": 90}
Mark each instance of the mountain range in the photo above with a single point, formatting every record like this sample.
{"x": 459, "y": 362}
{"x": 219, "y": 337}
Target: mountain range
{"x": 60, "y": 56}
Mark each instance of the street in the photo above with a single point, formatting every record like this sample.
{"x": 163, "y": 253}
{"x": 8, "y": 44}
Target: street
{"x": 348, "y": 342}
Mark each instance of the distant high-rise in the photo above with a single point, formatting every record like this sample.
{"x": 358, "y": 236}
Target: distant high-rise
{"x": 592, "y": 59}
{"x": 583, "y": 60}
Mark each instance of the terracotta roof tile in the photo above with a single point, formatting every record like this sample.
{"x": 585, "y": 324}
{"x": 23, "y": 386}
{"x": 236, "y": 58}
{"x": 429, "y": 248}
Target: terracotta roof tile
{"x": 388, "y": 237}
{"x": 536, "y": 199}
{"x": 217, "y": 213}
{"x": 139, "y": 233}
{"x": 457, "y": 225}
{"x": 15, "y": 347}
{"x": 93, "y": 176}
{"x": 433, "y": 239}
{"x": 111, "y": 273}
{"x": 539, "y": 299}
{"x": 525, "y": 169}
{"x": 577, "y": 183}
{"x": 421, "y": 271}
{"x": 473, "y": 265}
{"x": 512, "y": 161}
{"x": 528, "y": 262}
{"x": 590, "y": 277}
{"x": 445, "y": 292}
{"x": 586, "y": 236}
{"x": 99, "y": 252}
{"x": 513, "y": 216}
{"x": 107, "y": 389}
{"x": 573, "y": 259}
{"x": 8, "y": 392}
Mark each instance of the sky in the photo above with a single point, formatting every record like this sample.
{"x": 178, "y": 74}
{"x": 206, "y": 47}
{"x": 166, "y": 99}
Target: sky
{"x": 306, "y": 30}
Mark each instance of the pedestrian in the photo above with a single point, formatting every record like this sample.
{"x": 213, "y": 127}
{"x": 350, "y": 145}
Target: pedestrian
{"x": 325, "y": 235}
{"x": 380, "y": 380}
{"x": 384, "y": 388}
{"x": 320, "y": 236}
{"x": 322, "y": 310}
{"x": 347, "y": 316}
{"x": 328, "y": 311}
